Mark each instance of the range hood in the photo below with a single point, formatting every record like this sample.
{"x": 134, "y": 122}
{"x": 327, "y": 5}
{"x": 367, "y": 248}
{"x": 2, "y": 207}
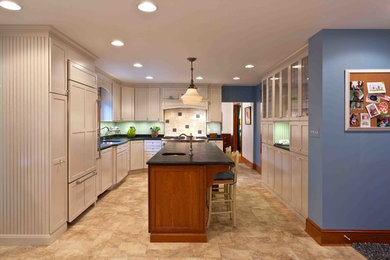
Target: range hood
{"x": 175, "y": 103}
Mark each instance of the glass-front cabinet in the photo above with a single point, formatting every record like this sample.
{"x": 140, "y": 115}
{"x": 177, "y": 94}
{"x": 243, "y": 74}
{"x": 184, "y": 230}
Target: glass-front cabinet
{"x": 285, "y": 93}
{"x": 264, "y": 99}
{"x": 285, "y": 100}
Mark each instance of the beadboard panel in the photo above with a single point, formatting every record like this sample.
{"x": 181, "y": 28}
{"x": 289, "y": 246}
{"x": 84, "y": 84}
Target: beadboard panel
{"x": 24, "y": 134}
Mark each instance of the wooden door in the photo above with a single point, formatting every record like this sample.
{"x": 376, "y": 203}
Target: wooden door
{"x": 141, "y": 104}
{"x": 278, "y": 172}
{"x": 154, "y": 104}
{"x": 58, "y": 155}
{"x": 127, "y": 103}
{"x": 116, "y": 101}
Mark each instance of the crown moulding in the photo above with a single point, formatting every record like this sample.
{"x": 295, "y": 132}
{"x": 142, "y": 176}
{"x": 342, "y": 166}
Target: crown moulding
{"x": 48, "y": 30}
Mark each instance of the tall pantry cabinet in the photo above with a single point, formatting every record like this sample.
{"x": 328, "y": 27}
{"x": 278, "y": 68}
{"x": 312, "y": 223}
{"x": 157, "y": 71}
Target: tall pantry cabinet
{"x": 34, "y": 101}
{"x": 284, "y": 115}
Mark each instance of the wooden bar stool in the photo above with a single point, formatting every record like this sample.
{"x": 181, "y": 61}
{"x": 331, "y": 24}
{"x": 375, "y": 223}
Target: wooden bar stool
{"x": 228, "y": 179}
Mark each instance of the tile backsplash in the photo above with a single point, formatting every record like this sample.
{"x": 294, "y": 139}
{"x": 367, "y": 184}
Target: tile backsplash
{"x": 142, "y": 128}
{"x": 186, "y": 120}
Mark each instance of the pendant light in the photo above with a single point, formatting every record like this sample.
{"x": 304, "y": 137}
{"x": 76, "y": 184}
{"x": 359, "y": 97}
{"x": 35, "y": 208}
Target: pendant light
{"x": 191, "y": 97}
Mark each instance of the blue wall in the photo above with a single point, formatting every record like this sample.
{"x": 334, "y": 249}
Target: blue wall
{"x": 237, "y": 93}
{"x": 247, "y": 94}
{"x": 349, "y": 176}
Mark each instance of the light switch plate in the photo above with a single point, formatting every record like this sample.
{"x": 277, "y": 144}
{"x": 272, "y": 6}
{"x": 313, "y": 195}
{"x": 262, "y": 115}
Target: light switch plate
{"x": 315, "y": 133}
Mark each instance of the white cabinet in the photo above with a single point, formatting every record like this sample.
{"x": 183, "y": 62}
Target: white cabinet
{"x": 153, "y": 104}
{"x": 278, "y": 171}
{"x": 299, "y": 165}
{"x": 141, "y": 104}
{"x": 267, "y": 132}
{"x": 116, "y": 101}
{"x": 58, "y": 156}
{"x": 58, "y": 68}
{"x": 264, "y": 164}
{"x": 127, "y": 104}
{"x": 219, "y": 143}
{"x": 82, "y": 194}
{"x": 151, "y": 147}
{"x": 136, "y": 155}
{"x": 215, "y": 104}
{"x": 104, "y": 178}
{"x": 299, "y": 137}
{"x": 286, "y": 176}
{"x": 271, "y": 166}
{"x": 122, "y": 162}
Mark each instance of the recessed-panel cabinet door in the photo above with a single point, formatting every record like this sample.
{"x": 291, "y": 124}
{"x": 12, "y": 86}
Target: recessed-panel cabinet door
{"x": 278, "y": 172}
{"x": 271, "y": 167}
{"x": 295, "y": 137}
{"x": 296, "y": 193}
{"x": 90, "y": 191}
{"x": 304, "y": 138}
{"x": 90, "y": 109}
{"x": 264, "y": 163}
{"x": 107, "y": 169}
{"x": 76, "y": 199}
{"x": 141, "y": 104}
{"x": 58, "y": 68}
{"x": 264, "y": 131}
{"x": 116, "y": 102}
{"x": 90, "y": 152}
{"x": 76, "y": 107}
{"x": 305, "y": 186}
{"x": 76, "y": 156}
{"x": 270, "y": 133}
{"x": 286, "y": 176}
{"x": 154, "y": 104}
{"x": 58, "y": 154}
{"x": 137, "y": 155}
{"x": 127, "y": 103}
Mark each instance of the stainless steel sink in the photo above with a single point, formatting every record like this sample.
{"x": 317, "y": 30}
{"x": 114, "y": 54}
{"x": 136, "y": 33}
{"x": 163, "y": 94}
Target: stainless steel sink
{"x": 174, "y": 154}
{"x": 110, "y": 142}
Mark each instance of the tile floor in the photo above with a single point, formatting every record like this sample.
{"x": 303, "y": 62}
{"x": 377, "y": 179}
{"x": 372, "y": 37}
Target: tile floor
{"x": 117, "y": 228}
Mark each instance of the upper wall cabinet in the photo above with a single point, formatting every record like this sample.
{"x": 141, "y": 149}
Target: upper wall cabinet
{"x": 58, "y": 66}
{"x": 127, "y": 104}
{"x": 215, "y": 104}
{"x": 147, "y": 104}
{"x": 285, "y": 94}
{"x": 116, "y": 101}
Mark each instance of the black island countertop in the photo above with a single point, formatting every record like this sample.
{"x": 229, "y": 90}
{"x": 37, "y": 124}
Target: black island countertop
{"x": 203, "y": 154}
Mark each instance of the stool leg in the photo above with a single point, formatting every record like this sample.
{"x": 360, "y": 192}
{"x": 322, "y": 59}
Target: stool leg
{"x": 234, "y": 204}
{"x": 210, "y": 190}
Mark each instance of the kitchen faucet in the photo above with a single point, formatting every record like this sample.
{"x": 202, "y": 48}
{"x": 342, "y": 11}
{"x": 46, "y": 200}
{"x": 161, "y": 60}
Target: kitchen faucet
{"x": 108, "y": 129}
{"x": 190, "y": 136}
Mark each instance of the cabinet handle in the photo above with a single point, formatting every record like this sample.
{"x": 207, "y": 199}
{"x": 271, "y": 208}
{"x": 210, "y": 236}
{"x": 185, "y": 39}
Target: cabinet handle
{"x": 82, "y": 180}
{"x": 59, "y": 162}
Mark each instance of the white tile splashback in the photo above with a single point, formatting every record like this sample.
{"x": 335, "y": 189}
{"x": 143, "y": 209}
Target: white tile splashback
{"x": 186, "y": 120}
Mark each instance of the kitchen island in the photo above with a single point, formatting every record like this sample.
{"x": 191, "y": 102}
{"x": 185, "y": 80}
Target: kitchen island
{"x": 177, "y": 190}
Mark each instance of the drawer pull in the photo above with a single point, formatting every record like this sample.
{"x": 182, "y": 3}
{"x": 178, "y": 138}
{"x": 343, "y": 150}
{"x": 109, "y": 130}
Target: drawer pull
{"x": 87, "y": 177}
{"x": 59, "y": 162}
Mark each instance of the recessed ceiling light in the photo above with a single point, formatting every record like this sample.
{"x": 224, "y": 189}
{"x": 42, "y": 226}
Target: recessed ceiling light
{"x": 117, "y": 43}
{"x": 138, "y": 65}
{"x": 249, "y": 66}
{"x": 147, "y": 7}
{"x": 199, "y": 78}
{"x": 236, "y": 78}
{"x": 9, "y": 5}
{"x": 296, "y": 67}
{"x": 149, "y": 77}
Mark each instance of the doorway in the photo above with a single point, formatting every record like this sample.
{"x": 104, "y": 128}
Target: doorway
{"x": 237, "y": 128}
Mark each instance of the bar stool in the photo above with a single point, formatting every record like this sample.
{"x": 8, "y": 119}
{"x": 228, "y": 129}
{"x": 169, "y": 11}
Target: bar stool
{"x": 228, "y": 179}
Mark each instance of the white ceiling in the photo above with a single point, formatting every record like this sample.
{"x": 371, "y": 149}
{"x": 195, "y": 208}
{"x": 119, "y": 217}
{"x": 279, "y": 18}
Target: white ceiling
{"x": 223, "y": 34}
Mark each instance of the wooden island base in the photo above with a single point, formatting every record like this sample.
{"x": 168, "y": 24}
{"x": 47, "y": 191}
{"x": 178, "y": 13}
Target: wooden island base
{"x": 177, "y": 201}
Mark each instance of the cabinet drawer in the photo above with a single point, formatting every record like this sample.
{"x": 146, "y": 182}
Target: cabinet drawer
{"x": 122, "y": 147}
{"x": 152, "y": 149}
{"x": 149, "y": 154}
{"x": 81, "y": 194}
{"x": 152, "y": 142}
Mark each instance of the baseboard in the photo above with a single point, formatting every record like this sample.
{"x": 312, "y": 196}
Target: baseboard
{"x": 335, "y": 237}
{"x": 246, "y": 161}
{"x": 32, "y": 240}
{"x": 257, "y": 168}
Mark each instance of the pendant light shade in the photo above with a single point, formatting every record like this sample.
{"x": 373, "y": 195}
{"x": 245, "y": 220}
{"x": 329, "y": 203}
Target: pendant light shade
{"x": 191, "y": 97}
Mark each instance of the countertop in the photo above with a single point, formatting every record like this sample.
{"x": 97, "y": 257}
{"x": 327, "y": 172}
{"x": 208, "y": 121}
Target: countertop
{"x": 283, "y": 146}
{"x": 122, "y": 139}
{"x": 203, "y": 154}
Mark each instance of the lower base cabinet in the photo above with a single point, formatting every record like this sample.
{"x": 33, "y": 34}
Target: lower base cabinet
{"x": 121, "y": 163}
{"x": 82, "y": 194}
{"x": 286, "y": 174}
{"x": 104, "y": 177}
{"x": 136, "y": 155}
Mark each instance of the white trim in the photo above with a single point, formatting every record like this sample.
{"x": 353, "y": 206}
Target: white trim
{"x": 347, "y": 127}
{"x": 16, "y": 239}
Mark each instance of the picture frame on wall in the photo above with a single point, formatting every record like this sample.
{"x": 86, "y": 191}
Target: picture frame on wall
{"x": 248, "y": 115}
{"x": 367, "y": 100}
